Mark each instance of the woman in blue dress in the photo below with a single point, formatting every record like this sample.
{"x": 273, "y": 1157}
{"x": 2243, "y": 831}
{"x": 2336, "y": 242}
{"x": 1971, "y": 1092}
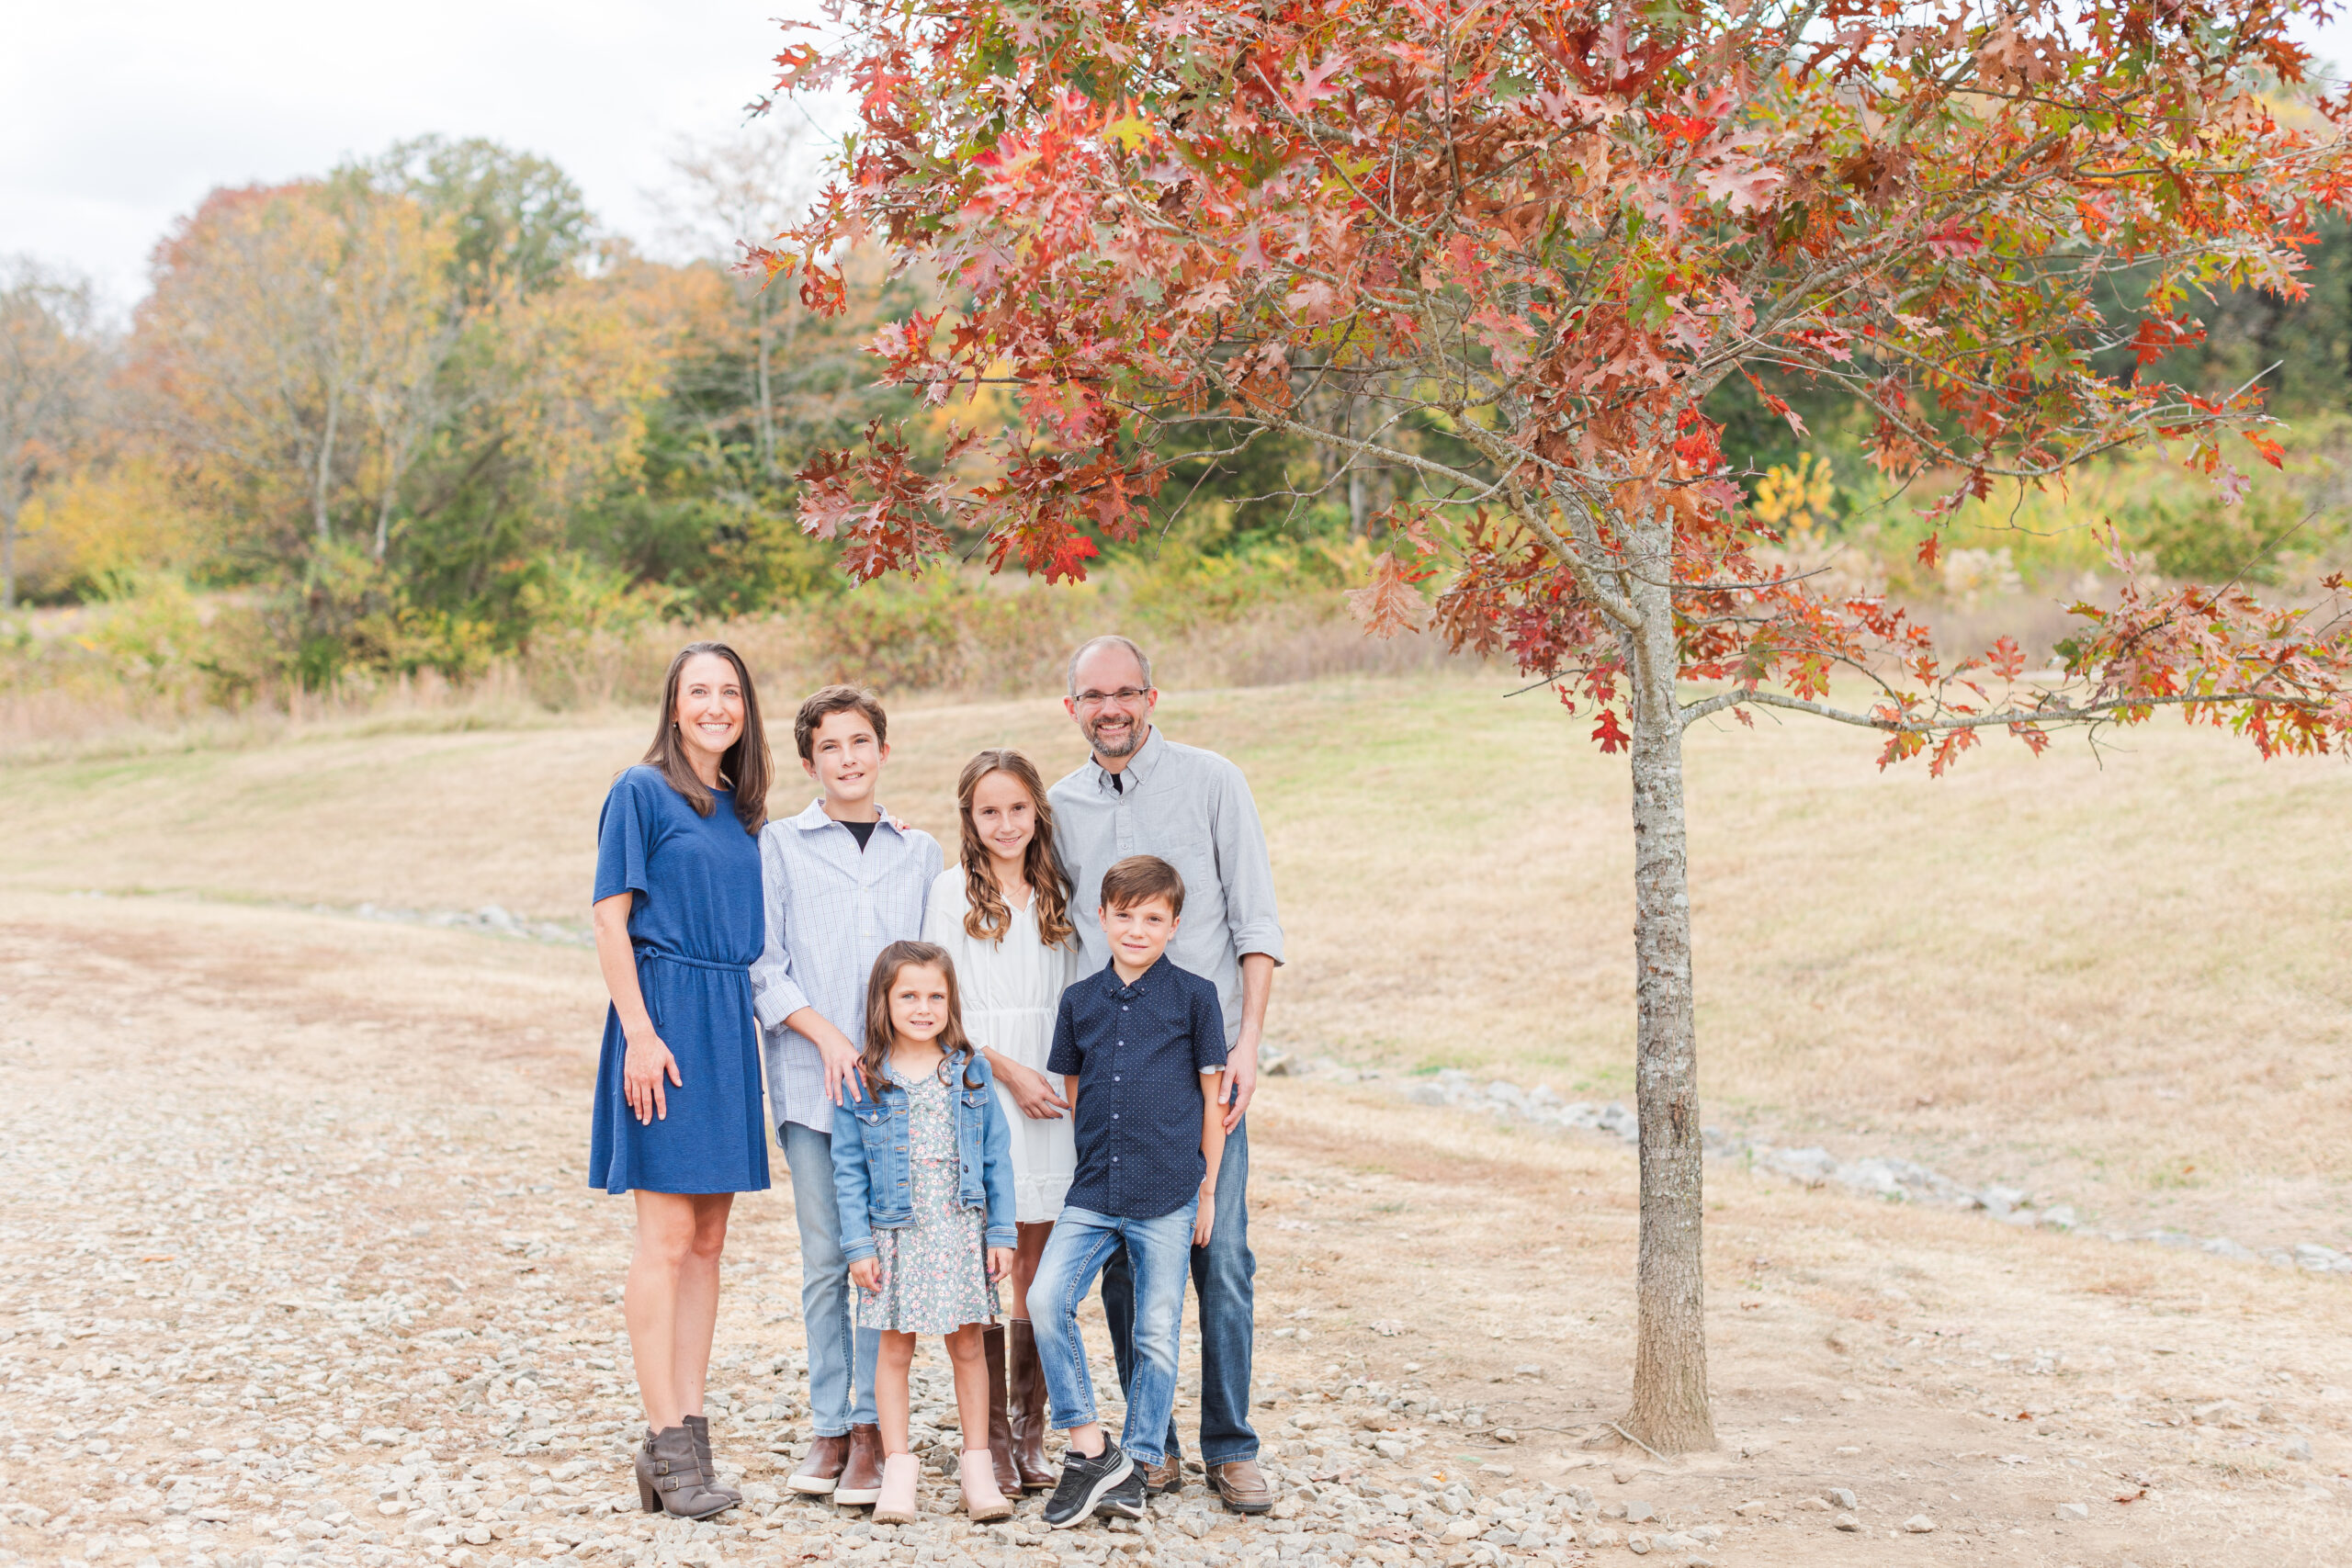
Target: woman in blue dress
{"x": 678, "y": 1122}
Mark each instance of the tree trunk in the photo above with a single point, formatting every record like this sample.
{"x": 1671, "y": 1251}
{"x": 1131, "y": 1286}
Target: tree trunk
{"x": 767, "y": 399}
{"x": 8, "y": 543}
{"x": 1671, "y": 1410}
{"x": 326, "y": 461}
{"x": 1359, "y": 494}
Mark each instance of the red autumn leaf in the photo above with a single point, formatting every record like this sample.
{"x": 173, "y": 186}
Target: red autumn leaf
{"x": 1610, "y": 735}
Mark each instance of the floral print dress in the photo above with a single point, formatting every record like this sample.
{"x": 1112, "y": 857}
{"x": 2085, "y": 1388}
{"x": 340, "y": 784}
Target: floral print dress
{"x": 934, "y": 1268}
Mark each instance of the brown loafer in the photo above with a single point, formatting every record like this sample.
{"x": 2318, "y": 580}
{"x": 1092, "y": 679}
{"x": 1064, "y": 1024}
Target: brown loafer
{"x": 1166, "y": 1477}
{"x": 1240, "y": 1487}
{"x": 820, "y": 1472}
{"x": 861, "y": 1479}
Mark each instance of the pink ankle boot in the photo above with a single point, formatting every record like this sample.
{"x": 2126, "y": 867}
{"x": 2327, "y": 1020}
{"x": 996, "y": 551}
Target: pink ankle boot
{"x": 982, "y": 1502}
{"x": 896, "y": 1504}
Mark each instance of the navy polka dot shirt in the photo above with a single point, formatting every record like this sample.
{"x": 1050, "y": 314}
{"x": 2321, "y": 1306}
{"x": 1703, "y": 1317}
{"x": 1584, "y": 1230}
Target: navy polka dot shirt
{"x": 1138, "y": 1052}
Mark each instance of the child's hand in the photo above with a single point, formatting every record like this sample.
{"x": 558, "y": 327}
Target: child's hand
{"x": 1205, "y": 1217}
{"x": 999, "y": 1263}
{"x": 866, "y": 1274}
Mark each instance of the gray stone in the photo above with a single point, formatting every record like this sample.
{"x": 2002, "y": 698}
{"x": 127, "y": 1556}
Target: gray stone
{"x": 1844, "y": 1498}
{"x": 1919, "y": 1524}
{"x": 1999, "y": 1200}
{"x": 1812, "y": 1167}
{"x": 2074, "y": 1511}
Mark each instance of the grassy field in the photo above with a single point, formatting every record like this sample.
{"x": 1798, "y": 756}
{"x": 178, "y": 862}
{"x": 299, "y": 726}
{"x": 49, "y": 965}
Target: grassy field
{"x": 2122, "y": 978}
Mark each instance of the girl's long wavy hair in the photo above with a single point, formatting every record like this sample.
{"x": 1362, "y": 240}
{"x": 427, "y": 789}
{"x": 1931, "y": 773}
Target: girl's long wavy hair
{"x": 987, "y": 917}
{"x": 743, "y": 768}
{"x": 879, "y": 1035}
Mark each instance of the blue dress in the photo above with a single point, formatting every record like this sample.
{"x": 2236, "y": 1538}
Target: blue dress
{"x": 697, "y": 923}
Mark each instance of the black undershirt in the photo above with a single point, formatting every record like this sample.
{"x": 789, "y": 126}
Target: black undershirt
{"x": 861, "y": 831}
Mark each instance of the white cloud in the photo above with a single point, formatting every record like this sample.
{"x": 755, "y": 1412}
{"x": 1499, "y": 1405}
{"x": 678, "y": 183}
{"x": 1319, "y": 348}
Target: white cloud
{"x": 116, "y": 118}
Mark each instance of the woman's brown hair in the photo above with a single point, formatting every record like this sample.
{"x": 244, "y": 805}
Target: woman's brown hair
{"x": 744, "y": 766}
{"x": 879, "y": 1035}
{"x": 987, "y": 917}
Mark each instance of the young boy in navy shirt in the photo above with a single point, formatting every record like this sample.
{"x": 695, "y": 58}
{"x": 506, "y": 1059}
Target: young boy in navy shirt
{"x": 1141, "y": 1050}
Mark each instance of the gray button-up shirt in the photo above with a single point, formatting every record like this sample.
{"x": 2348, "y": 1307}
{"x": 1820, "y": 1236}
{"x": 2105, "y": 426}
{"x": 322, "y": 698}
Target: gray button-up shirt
{"x": 831, "y": 910}
{"x": 1192, "y": 809}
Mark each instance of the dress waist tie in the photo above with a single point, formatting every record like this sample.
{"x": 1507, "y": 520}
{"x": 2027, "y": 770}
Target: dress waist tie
{"x": 645, "y": 952}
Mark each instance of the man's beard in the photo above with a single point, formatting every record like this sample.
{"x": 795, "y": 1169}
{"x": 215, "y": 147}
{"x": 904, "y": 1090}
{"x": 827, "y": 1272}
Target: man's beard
{"x": 1124, "y": 747}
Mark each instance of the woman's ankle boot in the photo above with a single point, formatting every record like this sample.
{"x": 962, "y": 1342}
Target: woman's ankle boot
{"x": 983, "y": 1500}
{"x": 669, "y": 1477}
{"x": 1026, "y": 1406}
{"x": 700, "y": 1426}
{"x": 1007, "y": 1475}
{"x": 896, "y": 1504}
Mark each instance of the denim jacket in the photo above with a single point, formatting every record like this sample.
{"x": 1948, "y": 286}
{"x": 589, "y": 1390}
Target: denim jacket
{"x": 870, "y": 1175}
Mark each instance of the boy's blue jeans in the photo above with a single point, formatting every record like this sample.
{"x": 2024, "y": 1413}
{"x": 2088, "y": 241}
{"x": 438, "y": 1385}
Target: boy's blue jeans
{"x": 1222, "y": 1276}
{"x": 1158, "y": 1251}
{"x": 825, "y": 1297}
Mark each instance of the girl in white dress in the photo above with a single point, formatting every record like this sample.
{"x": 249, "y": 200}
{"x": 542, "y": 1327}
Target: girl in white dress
{"x": 1003, "y": 916}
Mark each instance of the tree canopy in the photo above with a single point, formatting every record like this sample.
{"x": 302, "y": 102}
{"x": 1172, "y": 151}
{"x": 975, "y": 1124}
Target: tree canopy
{"x": 1516, "y": 248}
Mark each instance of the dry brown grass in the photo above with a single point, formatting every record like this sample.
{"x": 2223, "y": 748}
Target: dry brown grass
{"x": 2126, "y": 984}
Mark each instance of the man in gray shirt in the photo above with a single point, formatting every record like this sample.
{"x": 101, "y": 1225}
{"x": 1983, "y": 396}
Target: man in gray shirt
{"x": 1143, "y": 793}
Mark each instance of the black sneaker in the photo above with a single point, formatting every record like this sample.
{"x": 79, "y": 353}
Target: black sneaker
{"x": 1125, "y": 1499}
{"x": 1087, "y": 1482}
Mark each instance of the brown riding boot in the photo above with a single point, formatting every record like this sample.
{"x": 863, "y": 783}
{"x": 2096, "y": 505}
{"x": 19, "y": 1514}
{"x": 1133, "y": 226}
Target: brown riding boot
{"x": 1008, "y": 1476}
{"x": 861, "y": 1481}
{"x": 1026, "y": 1407}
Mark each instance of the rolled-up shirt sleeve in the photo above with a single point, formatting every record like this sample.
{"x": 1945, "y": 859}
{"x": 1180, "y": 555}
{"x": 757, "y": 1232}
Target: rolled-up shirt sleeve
{"x": 1244, "y": 871}
{"x": 776, "y": 993}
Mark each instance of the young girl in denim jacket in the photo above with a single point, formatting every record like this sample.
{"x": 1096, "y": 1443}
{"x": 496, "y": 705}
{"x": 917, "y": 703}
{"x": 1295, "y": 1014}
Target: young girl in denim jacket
{"x": 923, "y": 1171}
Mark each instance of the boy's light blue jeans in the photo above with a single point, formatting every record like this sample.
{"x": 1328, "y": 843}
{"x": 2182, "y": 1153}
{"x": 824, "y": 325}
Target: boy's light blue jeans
{"x": 825, "y": 1297}
{"x": 1159, "y": 1257}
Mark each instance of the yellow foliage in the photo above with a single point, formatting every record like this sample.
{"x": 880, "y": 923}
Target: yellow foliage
{"x": 98, "y": 528}
{"x": 1795, "y": 501}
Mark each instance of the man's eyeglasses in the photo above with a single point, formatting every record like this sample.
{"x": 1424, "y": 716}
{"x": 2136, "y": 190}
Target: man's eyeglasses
{"x": 1125, "y": 696}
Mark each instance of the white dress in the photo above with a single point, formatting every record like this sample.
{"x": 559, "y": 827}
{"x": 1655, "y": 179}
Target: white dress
{"x": 1011, "y": 991}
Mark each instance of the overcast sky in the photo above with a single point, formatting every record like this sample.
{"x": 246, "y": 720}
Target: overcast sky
{"x": 116, "y": 117}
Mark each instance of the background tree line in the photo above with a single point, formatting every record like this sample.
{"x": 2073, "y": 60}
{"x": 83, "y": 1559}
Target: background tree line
{"x": 422, "y": 412}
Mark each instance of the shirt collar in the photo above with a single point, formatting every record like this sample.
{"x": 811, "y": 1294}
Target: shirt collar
{"x": 1119, "y": 987}
{"x": 809, "y": 821}
{"x": 1138, "y": 772}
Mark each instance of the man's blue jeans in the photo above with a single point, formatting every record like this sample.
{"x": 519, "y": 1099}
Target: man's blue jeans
{"x": 825, "y": 1295}
{"x": 1081, "y": 1243}
{"x": 1223, "y": 1273}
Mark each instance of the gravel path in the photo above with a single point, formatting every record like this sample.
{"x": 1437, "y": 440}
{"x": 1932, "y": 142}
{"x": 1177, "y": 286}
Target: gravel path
{"x": 296, "y": 1266}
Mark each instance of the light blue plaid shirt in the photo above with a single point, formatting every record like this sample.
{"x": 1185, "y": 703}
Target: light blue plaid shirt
{"x": 830, "y": 912}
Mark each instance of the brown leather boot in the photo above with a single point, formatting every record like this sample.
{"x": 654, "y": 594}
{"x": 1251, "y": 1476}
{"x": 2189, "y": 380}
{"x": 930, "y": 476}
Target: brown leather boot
{"x": 817, "y": 1474}
{"x": 700, "y": 1426}
{"x": 1025, "y": 1412}
{"x": 861, "y": 1479}
{"x": 1008, "y": 1476}
{"x": 669, "y": 1476}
